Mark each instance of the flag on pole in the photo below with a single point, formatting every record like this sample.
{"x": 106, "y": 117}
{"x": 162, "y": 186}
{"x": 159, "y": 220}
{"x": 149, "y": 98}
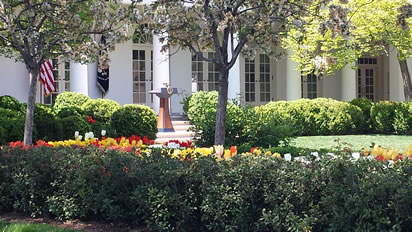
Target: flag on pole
{"x": 46, "y": 77}
{"x": 103, "y": 75}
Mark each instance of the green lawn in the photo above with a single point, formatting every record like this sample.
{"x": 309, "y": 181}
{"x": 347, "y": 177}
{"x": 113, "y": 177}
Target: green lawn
{"x": 358, "y": 142}
{"x": 19, "y": 227}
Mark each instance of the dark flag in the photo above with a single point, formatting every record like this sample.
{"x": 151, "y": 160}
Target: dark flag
{"x": 103, "y": 75}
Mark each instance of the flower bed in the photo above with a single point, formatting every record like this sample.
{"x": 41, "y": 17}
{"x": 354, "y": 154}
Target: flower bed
{"x": 187, "y": 190}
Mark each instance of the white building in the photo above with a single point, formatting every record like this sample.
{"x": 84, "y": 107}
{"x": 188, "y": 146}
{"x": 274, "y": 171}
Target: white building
{"x": 138, "y": 66}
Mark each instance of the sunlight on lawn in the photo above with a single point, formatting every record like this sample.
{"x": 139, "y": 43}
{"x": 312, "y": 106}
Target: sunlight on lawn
{"x": 358, "y": 142}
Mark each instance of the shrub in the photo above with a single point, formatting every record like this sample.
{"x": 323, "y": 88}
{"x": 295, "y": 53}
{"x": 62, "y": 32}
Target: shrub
{"x": 71, "y": 124}
{"x": 100, "y": 109}
{"x": 46, "y": 124}
{"x": 247, "y": 193}
{"x": 69, "y": 99}
{"x": 202, "y": 114}
{"x": 402, "y": 122}
{"x": 365, "y": 105}
{"x": 11, "y": 126}
{"x": 135, "y": 120}
{"x": 313, "y": 117}
{"x": 382, "y": 116}
{"x": 9, "y": 102}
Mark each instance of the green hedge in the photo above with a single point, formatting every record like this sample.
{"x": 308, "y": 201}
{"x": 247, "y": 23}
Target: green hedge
{"x": 70, "y": 113}
{"x": 275, "y": 122}
{"x": 69, "y": 99}
{"x": 11, "y": 125}
{"x": 245, "y": 194}
{"x": 135, "y": 120}
{"x": 243, "y": 125}
{"x": 11, "y": 103}
{"x": 320, "y": 116}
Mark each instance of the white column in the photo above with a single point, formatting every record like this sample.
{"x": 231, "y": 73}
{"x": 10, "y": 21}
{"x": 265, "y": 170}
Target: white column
{"x": 79, "y": 78}
{"x": 161, "y": 69}
{"x": 396, "y": 92}
{"x": 234, "y": 75}
{"x": 180, "y": 77}
{"x": 293, "y": 81}
{"x": 348, "y": 83}
{"x": 93, "y": 89}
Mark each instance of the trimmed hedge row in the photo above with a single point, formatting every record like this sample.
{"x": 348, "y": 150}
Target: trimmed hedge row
{"x": 248, "y": 193}
{"x": 76, "y": 112}
{"x": 275, "y": 122}
{"x": 386, "y": 117}
{"x": 243, "y": 125}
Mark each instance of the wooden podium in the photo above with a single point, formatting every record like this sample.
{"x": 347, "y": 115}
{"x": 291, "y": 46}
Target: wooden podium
{"x": 164, "y": 124}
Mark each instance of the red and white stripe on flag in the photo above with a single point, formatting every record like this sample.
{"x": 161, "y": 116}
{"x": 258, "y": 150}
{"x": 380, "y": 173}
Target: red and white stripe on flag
{"x": 46, "y": 77}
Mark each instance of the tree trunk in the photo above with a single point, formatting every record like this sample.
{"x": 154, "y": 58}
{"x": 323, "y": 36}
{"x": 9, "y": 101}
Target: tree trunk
{"x": 28, "y": 126}
{"x": 406, "y": 76}
{"x": 221, "y": 107}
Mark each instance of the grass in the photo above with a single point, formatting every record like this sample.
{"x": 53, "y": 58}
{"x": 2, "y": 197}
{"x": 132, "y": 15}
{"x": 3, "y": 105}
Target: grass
{"x": 27, "y": 227}
{"x": 358, "y": 142}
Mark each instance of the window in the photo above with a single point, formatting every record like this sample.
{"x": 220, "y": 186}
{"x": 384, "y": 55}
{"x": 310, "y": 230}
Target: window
{"x": 258, "y": 79}
{"x": 142, "y": 35}
{"x": 249, "y": 80}
{"x": 139, "y": 76}
{"x": 202, "y": 69}
{"x": 197, "y": 73}
{"x": 309, "y": 86}
{"x": 366, "y": 77}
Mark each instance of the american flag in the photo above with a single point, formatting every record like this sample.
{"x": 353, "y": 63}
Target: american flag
{"x": 46, "y": 77}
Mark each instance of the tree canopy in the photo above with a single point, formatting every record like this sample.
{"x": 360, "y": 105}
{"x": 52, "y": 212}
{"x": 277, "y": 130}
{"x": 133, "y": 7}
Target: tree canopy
{"x": 33, "y": 31}
{"x": 375, "y": 26}
{"x": 228, "y": 27}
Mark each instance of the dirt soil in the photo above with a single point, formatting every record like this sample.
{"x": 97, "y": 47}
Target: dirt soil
{"x": 90, "y": 226}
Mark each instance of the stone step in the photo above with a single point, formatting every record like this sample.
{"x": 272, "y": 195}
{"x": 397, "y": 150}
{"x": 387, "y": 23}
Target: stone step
{"x": 182, "y": 127}
{"x": 180, "y": 122}
{"x": 181, "y": 133}
{"x": 176, "y": 134}
{"x": 163, "y": 140}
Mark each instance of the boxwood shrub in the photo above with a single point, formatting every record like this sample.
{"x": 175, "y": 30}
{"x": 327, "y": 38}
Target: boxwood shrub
{"x": 11, "y": 125}
{"x": 382, "y": 116}
{"x": 402, "y": 122}
{"x": 9, "y": 102}
{"x": 248, "y": 193}
{"x": 320, "y": 116}
{"x": 275, "y": 122}
{"x": 48, "y": 127}
{"x": 69, "y": 99}
{"x": 134, "y": 120}
{"x": 365, "y": 105}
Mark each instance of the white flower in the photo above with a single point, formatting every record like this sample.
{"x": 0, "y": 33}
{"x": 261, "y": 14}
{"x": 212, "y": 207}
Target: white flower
{"x": 288, "y": 157}
{"x": 76, "y": 134}
{"x": 80, "y": 137}
{"x": 103, "y": 132}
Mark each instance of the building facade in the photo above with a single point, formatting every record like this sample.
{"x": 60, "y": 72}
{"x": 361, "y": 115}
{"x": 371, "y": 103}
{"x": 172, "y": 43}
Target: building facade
{"x": 137, "y": 66}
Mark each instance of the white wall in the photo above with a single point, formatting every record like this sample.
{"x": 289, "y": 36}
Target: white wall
{"x": 14, "y": 78}
{"x": 181, "y": 78}
{"x": 121, "y": 80}
{"x": 331, "y": 86}
{"x": 281, "y": 79}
